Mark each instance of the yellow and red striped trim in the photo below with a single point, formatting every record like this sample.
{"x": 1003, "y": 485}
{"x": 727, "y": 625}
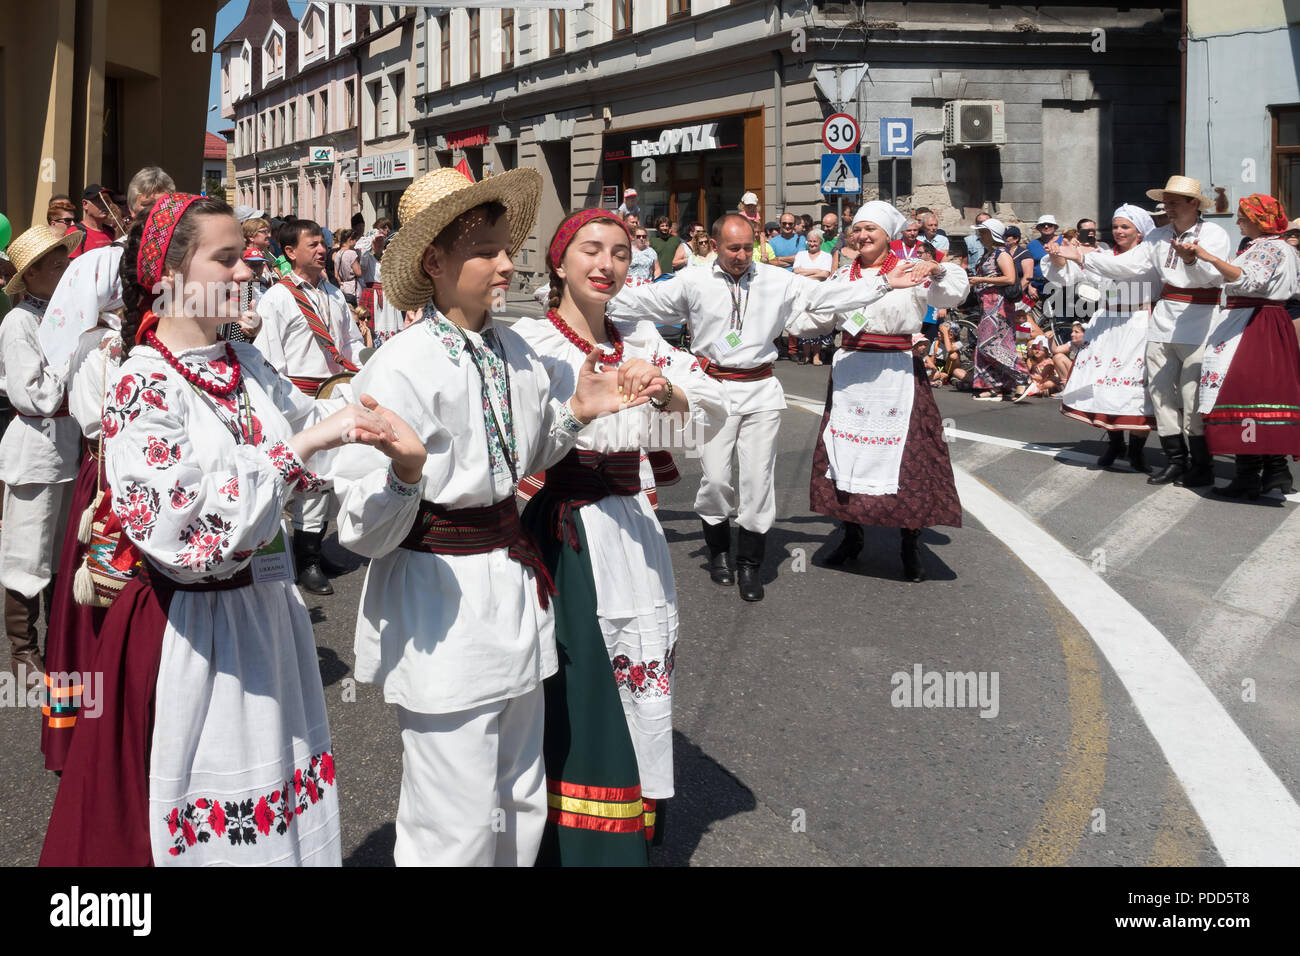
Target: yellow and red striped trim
{"x": 609, "y": 809}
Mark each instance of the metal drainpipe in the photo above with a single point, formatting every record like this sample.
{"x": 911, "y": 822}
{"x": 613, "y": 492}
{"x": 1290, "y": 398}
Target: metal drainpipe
{"x": 356, "y": 59}
{"x": 778, "y": 79}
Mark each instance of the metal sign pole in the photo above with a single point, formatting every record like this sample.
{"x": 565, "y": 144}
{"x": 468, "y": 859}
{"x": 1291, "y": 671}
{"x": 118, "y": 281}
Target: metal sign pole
{"x": 893, "y": 185}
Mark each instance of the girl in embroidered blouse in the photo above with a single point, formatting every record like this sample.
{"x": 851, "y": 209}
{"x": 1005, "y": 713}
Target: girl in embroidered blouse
{"x": 211, "y": 642}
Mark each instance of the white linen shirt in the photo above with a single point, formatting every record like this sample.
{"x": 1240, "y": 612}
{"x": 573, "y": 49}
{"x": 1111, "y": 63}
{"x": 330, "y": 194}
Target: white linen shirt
{"x": 445, "y": 633}
{"x": 36, "y": 448}
{"x": 1182, "y": 323}
{"x": 286, "y": 339}
{"x": 769, "y": 297}
{"x": 87, "y": 293}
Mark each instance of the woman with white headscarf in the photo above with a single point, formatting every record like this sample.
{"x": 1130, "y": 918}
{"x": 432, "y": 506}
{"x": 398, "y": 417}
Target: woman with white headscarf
{"x": 1108, "y": 384}
{"x": 881, "y": 458}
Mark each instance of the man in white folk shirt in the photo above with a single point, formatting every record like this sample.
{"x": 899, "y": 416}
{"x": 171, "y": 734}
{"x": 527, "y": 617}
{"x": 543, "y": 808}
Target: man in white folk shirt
{"x": 736, "y": 308}
{"x": 308, "y": 335}
{"x": 1184, "y": 313}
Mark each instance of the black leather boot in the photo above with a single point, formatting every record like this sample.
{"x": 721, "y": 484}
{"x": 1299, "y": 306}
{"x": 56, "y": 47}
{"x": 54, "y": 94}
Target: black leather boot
{"x": 1200, "y": 472}
{"x": 328, "y": 566}
{"x": 1245, "y": 480}
{"x": 306, "y": 553}
{"x": 849, "y": 548}
{"x": 1114, "y": 448}
{"x": 1175, "y": 450}
{"x": 749, "y": 562}
{"x": 1137, "y": 457}
{"x": 718, "y": 538}
{"x": 912, "y": 569}
{"x": 1277, "y": 475}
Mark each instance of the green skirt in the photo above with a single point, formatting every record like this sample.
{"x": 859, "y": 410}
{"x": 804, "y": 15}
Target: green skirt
{"x": 596, "y": 816}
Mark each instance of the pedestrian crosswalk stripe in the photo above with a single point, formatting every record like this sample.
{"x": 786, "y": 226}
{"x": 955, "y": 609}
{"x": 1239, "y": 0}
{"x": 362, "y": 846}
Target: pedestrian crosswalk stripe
{"x": 1143, "y": 524}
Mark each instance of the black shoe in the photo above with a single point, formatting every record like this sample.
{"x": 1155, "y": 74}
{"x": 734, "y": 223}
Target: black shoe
{"x": 312, "y": 580}
{"x": 1175, "y": 450}
{"x": 1200, "y": 472}
{"x": 1137, "y": 457}
{"x": 912, "y": 569}
{"x": 751, "y": 587}
{"x": 1245, "y": 480}
{"x": 1114, "y": 448}
{"x": 849, "y": 548}
{"x": 721, "y": 570}
{"x": 1277, "y": 476}
{"x": 306, "y": 555}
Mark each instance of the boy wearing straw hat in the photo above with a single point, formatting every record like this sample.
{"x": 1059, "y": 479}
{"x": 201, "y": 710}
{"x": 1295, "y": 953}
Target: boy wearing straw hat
{"x": 39, "y": 451}
{"x": 1185, "y": 311}
{"x": 455, "y": 619}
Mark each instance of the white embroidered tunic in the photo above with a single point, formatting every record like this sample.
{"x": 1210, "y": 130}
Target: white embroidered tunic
{"x": 636, "y": 599}
{"x": 97, "y": 358}
{"x": 734, "y": 321}
{"x": 873, "y": 392}
{"x": 287, "y": 340}
{"x": 87, "y": 293}
{"x": 444, "y": 633}
{"x": 1182, "y": 323}
{"x": 40, "y": 446}
{"x": 242, "y": 740}
{"x": 1268, "y": 271}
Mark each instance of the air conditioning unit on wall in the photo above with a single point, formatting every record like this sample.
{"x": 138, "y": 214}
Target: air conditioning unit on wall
{"x": 974, "y": 123}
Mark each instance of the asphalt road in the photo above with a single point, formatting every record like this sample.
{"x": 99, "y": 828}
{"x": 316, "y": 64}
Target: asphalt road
{"x": 791, "y": 743}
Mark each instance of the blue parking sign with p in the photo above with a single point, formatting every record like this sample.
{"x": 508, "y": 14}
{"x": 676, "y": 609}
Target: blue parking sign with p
{"x": 896, "y": 136}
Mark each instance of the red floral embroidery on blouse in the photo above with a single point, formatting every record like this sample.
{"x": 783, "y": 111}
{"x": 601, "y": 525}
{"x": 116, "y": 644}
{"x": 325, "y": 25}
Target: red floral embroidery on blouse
{"x": 205, "y": 539}
{"x": 180, "y": 497}
{"x": 230, "y": 489}
{"x": 130, "y": 394}
{"x": 137, "y": 508}
{"x": 161, "y": 455}
{"x": 241, "y": 822}
{"x": 645, "y": 679}
{"x": 291, "y": 468}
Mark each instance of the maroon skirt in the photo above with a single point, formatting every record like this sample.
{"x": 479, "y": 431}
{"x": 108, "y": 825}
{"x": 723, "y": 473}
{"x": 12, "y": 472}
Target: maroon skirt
{"x": 927, "y": 494}
{"x": 101, "y": 812}
{"x": 1258, "y": 408}
{"x": 73, "y": 631}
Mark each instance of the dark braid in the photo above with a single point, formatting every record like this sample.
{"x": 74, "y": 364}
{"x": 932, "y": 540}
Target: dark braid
{"x": 137, "y": 300}
{"x": 557, "y": 292}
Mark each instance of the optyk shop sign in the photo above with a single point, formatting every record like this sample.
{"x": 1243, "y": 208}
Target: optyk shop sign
{"x": 724, "y": 133}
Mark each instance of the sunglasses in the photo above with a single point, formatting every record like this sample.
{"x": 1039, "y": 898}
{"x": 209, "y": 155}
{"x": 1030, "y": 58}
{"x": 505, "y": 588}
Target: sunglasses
{"x": 67, "y": 221}
{"x": 640, "y": 235}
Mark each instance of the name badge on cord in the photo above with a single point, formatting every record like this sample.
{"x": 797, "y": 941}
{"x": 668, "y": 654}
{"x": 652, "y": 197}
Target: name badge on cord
{"x": 857, "y": 321}
{"x": 732, "y": 340}
{"x": 271, "y": 562}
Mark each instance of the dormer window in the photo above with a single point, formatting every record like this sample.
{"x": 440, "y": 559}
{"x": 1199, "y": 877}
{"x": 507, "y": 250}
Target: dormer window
{"x": 273, "y": 54}
{"x": 243, "y": 85}
{"x": 313, "y": 34}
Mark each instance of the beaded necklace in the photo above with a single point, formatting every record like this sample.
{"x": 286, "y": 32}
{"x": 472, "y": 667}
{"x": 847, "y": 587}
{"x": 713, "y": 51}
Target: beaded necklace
{"x": 886, "y": 267}
{"x": 194, "y": 378}
{"x": 583, "y": 345}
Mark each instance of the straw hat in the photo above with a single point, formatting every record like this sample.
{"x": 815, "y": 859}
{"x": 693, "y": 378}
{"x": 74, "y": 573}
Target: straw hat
{"x": 27, "y": 250}
{"x": 1181, "y": 186}
{"x": 430, "y": 204}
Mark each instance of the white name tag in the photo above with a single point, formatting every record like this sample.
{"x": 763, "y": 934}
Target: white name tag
{"x": 731, "y": 341}
{"x": 272, "y": 562}
{"x": 857, "y": 321}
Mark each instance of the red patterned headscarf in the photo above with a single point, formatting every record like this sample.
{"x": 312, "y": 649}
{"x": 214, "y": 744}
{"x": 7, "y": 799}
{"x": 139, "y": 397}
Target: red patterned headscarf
{"x": 1265, "y": 212}
{"x": 157, "y": 237}
{"x": 569, "y": 228}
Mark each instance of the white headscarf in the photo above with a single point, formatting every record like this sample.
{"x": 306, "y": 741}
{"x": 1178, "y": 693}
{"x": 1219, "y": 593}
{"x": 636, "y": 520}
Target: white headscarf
{"x": 1140, "y": 218}
{"x": 365, "y": 242}
{"x": 883, "y": 215}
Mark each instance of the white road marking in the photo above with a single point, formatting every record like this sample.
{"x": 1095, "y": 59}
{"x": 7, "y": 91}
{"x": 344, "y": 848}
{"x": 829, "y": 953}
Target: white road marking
{"x": 1056, "y": 487}
{"x": 1246, "y": 809}
{"x": 1144, "y": 523}
{"x": 975, "y": 457}
{"x": 1259, "y": 593}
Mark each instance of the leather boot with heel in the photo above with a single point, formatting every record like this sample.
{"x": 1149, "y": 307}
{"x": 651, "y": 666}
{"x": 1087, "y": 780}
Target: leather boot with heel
{"x": 749, "y": 563}
{"x": 718, "y": 538}
{"x": 912, "y": 569}
{"x": 21, "y": 615}
{"x": 1200, "y": 470}
{"x": 1137, "y": 443}
{"x": 1175, "y": 450}
{"x": 1114, "y": 448}
{"x": 1277, "y": 475}
{"x": 306, "y": 552}
{"x": 849, "y": 547}
{"x": 1245, "y": 479}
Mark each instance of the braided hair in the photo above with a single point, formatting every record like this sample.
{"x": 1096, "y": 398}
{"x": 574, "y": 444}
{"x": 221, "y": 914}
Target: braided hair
{"x": 136, "y": 300}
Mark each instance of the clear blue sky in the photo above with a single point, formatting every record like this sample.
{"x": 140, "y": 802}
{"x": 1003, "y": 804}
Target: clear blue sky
{"x": 228, "y": 18}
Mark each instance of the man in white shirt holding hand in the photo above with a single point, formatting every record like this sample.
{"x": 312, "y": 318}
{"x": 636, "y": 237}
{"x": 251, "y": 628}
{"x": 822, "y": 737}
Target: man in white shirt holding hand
{"x": 308, "y": 335}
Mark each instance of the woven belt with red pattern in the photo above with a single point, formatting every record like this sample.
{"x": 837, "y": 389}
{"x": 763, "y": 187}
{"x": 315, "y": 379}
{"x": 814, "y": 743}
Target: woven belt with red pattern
{"x": 1199, "y": 296}
{"x": 1246, "y": 302}
{"x": 308, "y": 386}
{"x": 439, "y": 530}
{"x": 876, "y": 342}
{"x": 583, "y": 478}
{"x": 727, "y": 373}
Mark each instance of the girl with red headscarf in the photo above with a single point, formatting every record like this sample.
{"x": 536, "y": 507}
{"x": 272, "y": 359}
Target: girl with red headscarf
{"x": 1250, "y": 377}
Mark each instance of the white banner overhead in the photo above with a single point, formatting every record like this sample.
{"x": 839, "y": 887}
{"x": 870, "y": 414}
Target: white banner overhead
{"x": 518, "y": 4}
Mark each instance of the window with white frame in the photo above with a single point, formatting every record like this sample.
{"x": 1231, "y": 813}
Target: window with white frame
{"x": 374, "y": 107}
{"x": 345, "y": 25}
{"x": 291, "y": 121}
{"x": 397, "y": 86}
{"x": 350, "y": 104}
{"x": 324, "y": 111}
{"x": 245, "y": 85}
{"x": 312, "y": 129}
{"x": 273, "y": 54}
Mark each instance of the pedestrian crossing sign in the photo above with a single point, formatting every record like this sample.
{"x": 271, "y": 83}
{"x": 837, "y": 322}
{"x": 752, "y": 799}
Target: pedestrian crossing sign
{"x": 841, "y": 173}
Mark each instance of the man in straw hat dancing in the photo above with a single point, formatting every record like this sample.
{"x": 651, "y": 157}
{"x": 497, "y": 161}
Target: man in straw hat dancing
{"x": 455, "y": 618}
{"x": 1185, "y": 312}
{"x": 736, "y": 308}
{"x": 39, "y": 451}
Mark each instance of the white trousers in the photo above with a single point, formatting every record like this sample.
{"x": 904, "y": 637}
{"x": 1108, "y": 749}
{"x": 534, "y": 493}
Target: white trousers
{"x": 1174, "y": 381}
{"x": 31, "y": 542}
{"x": 311, "y": 512}
{"x": 751, "y": 438}
{"x": 473, "y": 785}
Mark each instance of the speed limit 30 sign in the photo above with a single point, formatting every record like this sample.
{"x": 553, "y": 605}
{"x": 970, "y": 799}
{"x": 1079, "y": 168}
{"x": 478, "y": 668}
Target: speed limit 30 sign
{"x": 840, "y": 133}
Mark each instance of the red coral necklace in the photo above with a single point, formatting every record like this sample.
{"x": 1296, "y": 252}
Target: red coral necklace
{"x": 886, "y": 267}
{"x": 194, "y": 378}
{"x": 583, "y": 345}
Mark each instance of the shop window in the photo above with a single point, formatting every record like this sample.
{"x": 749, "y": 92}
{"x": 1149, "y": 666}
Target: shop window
{"x": 1286, "y": 155}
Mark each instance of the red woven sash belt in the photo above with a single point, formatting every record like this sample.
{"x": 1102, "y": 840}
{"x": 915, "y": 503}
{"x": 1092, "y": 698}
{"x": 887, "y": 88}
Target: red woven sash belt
{"x": 308, "y": 386}
{"x": 439, "y": 530}
{"x": 1246, "y": 302}
{"x": 583, "y": 478}
{"x": 1177, "y": 293}
{"x": 727, "y": 373}
{"x": 876, "y": 342}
